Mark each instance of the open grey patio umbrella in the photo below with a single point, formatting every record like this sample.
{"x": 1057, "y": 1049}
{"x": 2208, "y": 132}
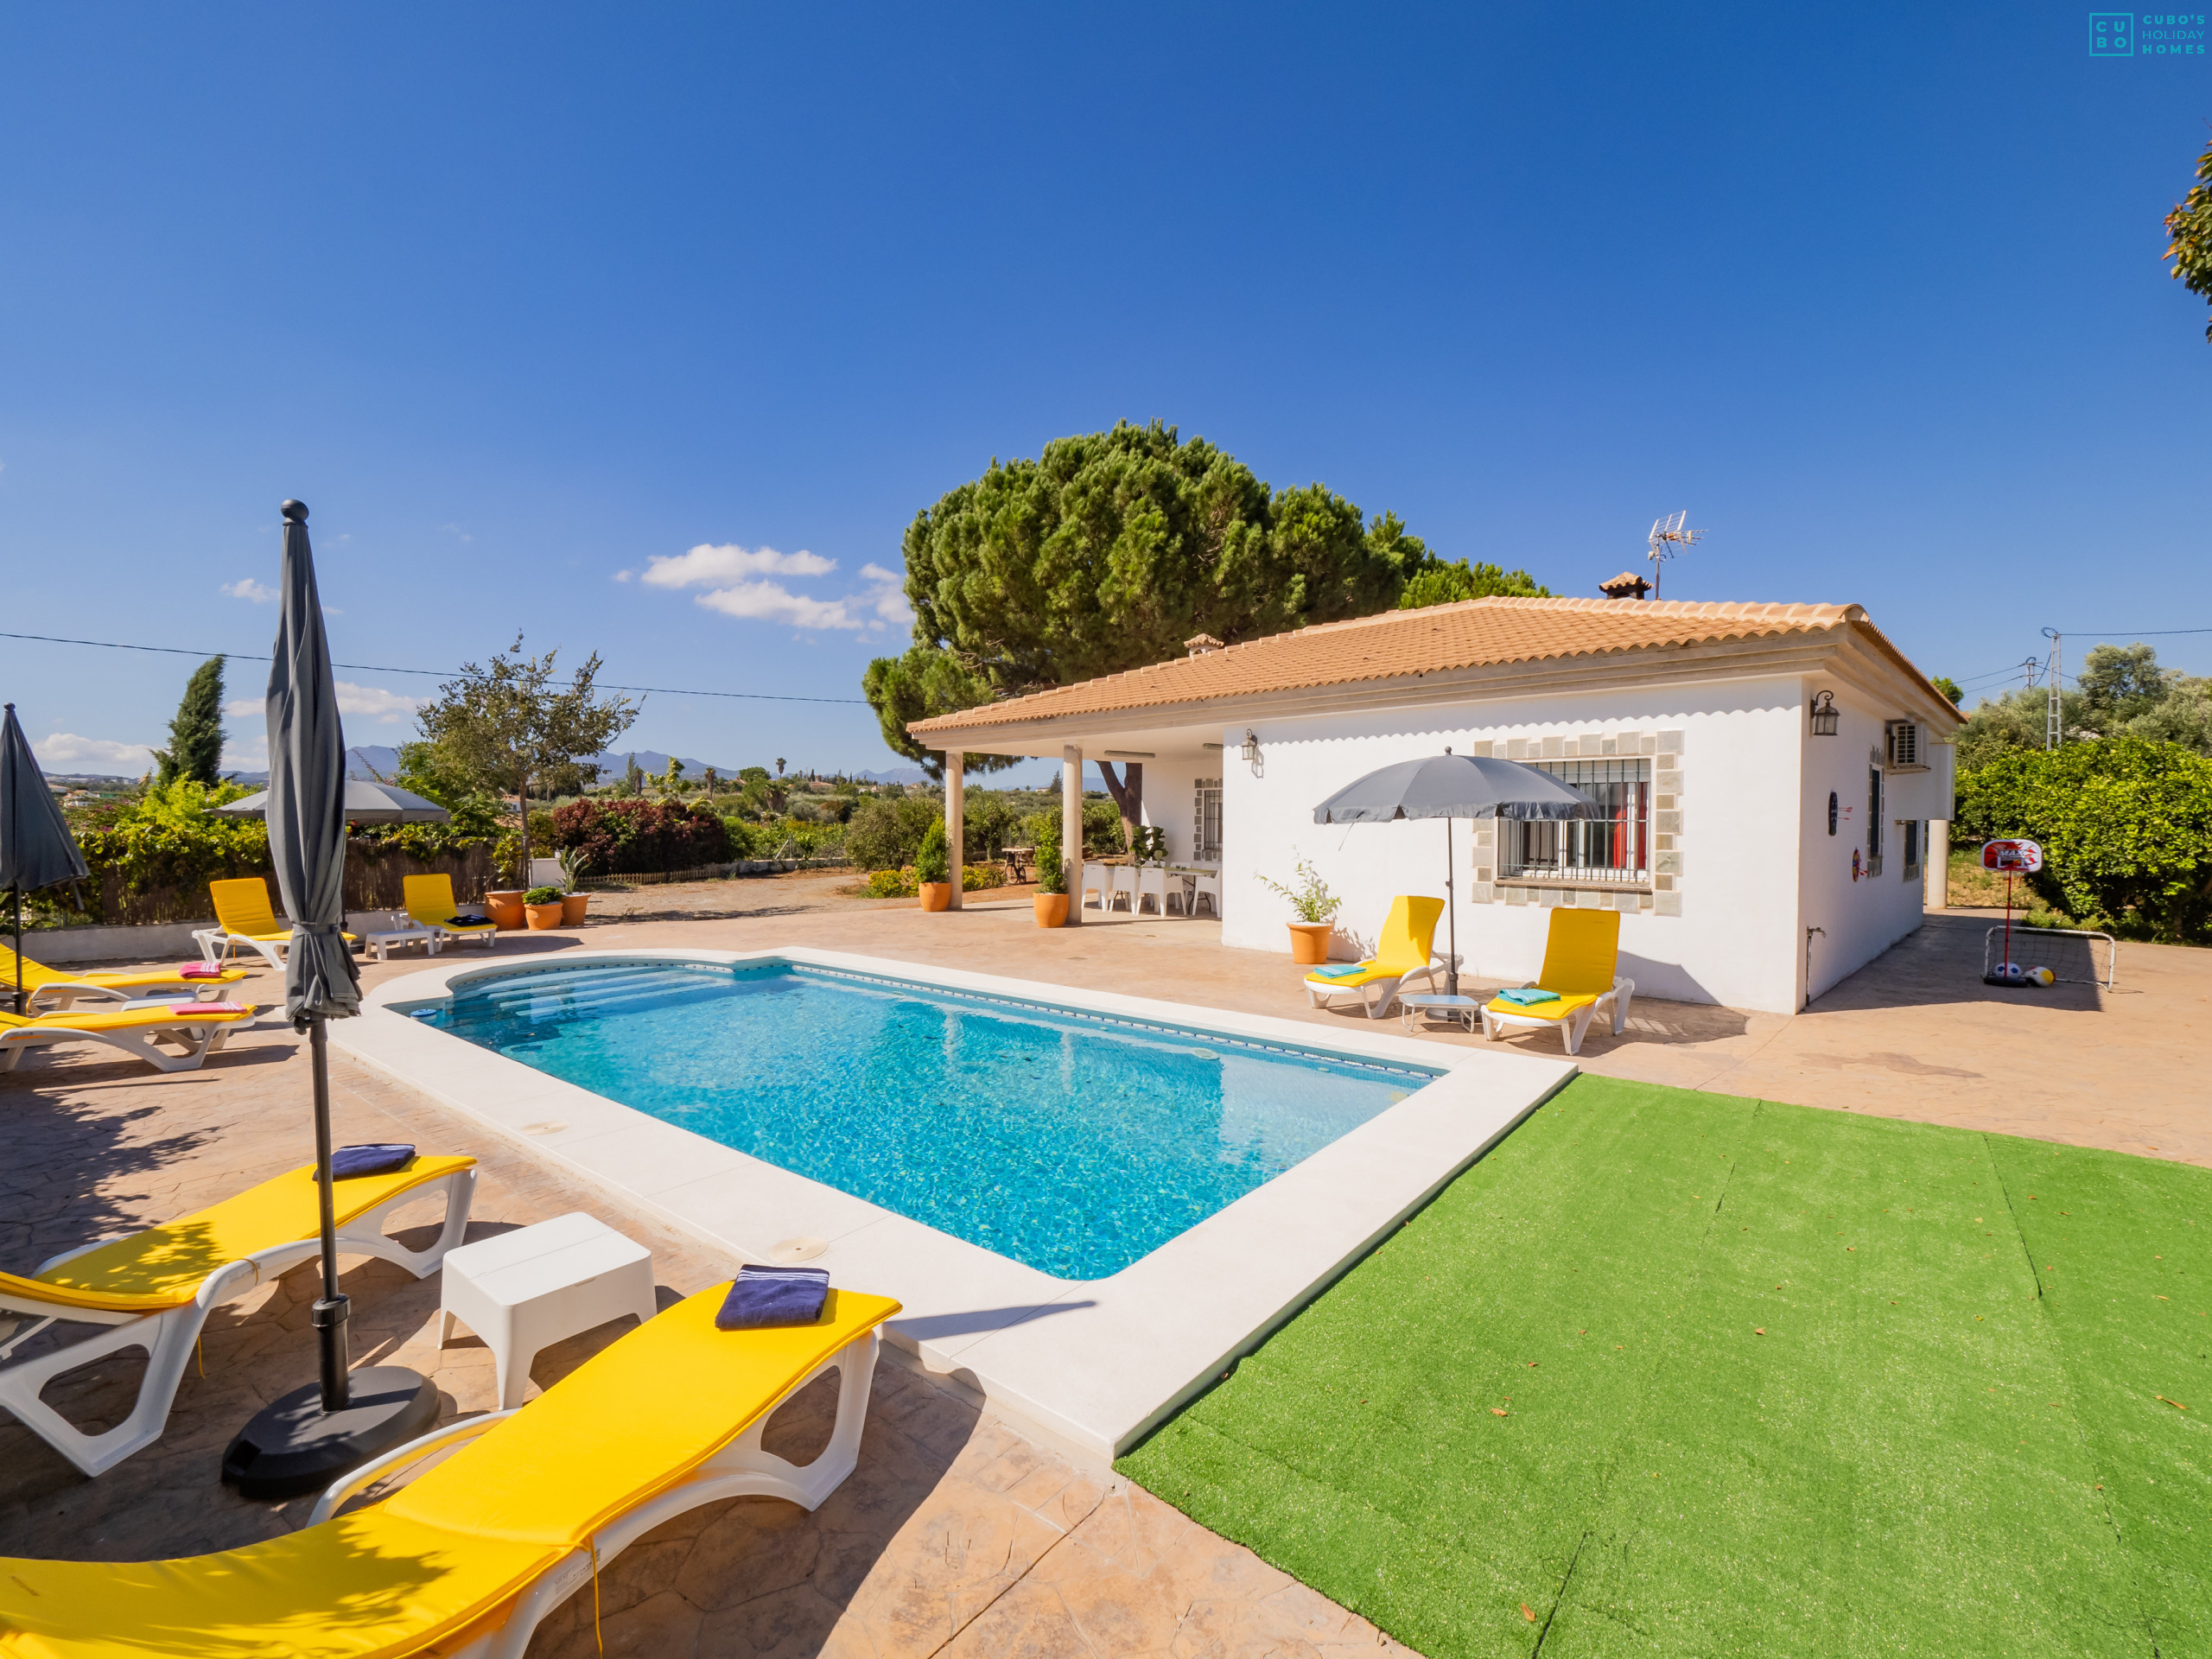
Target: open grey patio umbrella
{"x": 313, "y": 1434}
{"x": 363, "y": 803}
{"x": 1449, "y": 786}
{"x": 36, "y": 849}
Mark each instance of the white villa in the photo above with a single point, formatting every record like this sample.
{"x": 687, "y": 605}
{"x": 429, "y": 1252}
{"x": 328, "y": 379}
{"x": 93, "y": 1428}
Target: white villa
{"x": 1771, "y": 772}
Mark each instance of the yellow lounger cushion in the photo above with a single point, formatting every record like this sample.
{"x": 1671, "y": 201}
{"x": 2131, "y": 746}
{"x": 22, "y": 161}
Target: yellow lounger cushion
{"x": 163, "y": 1265}
{"x": 429, "y": 901}
{"x": 447, "y": 1551}
{"x": 1555, "y": 1010}
{"x": 1368, "y": 973}
{"x": 37, "y": 973}
{"x": 124, "y": 1019}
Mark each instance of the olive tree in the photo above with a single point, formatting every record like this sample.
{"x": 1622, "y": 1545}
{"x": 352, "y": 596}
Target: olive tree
{"x": 511, "y": 724}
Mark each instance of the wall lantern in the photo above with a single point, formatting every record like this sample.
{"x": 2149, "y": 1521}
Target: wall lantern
{"x": 1251, "y": 750}
{"x": 1824, "y": 714}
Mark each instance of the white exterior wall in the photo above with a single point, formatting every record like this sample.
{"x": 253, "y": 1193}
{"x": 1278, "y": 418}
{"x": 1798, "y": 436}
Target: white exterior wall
{"x": 1734, "y": 942}
{"x": 1860, "y": 919}
{"x": 1168, "y": 785}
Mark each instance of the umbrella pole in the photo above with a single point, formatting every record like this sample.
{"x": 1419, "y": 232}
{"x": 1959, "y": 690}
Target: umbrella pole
{"x": 329, "y": 1313}
{"x": 1452, "y": 915}
{"x": 15, "y": 903}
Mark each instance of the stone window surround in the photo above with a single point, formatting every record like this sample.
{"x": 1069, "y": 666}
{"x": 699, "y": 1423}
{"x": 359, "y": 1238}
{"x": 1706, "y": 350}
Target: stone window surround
{"x": 1664, "y": 896}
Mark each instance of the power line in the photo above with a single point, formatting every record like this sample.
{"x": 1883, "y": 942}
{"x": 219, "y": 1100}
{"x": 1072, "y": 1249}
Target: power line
{"x": 432, "y": 673}
{"x": 2140, "y": 633}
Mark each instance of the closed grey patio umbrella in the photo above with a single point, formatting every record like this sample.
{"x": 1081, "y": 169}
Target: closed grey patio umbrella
{"x": 1449, "y": 786}
{"x": 312, "y": 1435}
{"x": 36, "y": 849}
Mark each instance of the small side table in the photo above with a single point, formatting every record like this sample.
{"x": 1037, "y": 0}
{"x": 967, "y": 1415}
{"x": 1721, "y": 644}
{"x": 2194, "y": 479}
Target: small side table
{"x": 1437, "y": 1006}
{"x": 526, "y": 1290}
{"x": 382, "y": 940}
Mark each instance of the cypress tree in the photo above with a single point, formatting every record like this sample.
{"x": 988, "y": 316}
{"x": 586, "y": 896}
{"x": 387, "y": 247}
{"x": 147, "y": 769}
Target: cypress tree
{"x": 195, "y": 749}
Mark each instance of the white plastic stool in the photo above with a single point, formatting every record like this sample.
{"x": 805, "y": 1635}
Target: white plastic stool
{"x": 526, "y": 1290}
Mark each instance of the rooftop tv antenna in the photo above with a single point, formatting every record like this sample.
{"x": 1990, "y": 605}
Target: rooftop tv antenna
{"x": 1670, "y": 535}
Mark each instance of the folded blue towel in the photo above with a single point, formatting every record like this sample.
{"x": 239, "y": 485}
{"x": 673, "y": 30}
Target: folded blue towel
{"x": 1528, "y": 996}
{"x": 349, "y": 1161}
{"x": 1341, "y": 970}
{"x": 760, "y": 1297}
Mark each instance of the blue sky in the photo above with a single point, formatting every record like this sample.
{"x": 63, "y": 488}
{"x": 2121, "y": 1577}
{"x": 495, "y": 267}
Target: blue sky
{"x": 520, "y": 300}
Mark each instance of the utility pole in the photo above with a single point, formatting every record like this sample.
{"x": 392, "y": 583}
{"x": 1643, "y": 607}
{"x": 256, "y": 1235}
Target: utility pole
{"x": 2052, "y": 722}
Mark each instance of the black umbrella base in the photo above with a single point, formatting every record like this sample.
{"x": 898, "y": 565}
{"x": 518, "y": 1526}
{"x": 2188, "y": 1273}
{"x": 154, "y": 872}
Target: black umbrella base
{"x": 293, "y": 1446}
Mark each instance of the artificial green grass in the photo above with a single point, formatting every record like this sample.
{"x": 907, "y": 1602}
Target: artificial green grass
{"x": 1772, "y": 1380}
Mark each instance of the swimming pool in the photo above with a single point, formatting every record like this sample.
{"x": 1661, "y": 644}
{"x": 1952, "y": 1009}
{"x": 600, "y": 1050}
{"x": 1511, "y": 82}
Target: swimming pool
{"x": 1076, "y": 1143}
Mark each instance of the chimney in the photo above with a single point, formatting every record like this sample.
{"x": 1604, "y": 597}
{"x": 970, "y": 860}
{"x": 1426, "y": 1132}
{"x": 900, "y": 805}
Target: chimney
{"x": 1201, "y": 644}
{"x": 1627, "y": 585}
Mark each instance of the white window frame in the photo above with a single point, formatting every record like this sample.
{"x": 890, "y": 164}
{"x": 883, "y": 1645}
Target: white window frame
{"x": 1206, "y": 821}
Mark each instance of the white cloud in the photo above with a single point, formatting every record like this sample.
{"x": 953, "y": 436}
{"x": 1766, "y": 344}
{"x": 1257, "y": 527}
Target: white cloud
{"x": 624, "y": 575}
{"x": 887, "y": 596}
{"x": 246, "y": 752}
{"x": 731, "y": 564}
{"x": 67, "y": 751}
{"x": 772, "y": 601}
{"x": 249, "y": 588}
{"x": 374, "y": 703}
{"x": 239, "y": 708}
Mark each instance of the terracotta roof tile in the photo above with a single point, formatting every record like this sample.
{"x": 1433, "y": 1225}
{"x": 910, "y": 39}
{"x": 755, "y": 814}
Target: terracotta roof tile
{"x": 1475, "y": 632}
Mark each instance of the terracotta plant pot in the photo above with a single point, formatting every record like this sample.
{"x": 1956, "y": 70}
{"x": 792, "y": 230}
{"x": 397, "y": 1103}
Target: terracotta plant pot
{"x": 543, "y": 915}
{"x": 1051, "y": 908}
{"x": 572, "y": 909}
{"x": 505, "y": 909}
{"x": 1309, "y": 942}
{"x": 937, "y": 895}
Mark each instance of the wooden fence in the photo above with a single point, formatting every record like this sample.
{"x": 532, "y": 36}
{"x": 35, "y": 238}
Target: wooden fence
{"x": 374, "y": 876}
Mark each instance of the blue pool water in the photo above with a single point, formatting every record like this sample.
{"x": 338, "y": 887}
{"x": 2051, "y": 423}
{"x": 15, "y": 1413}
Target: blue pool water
{"x": 1074, "y": 1143}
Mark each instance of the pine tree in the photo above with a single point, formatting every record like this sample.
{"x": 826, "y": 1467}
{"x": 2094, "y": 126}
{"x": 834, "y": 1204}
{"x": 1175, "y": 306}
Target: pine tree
{"x": 195, "y": 750}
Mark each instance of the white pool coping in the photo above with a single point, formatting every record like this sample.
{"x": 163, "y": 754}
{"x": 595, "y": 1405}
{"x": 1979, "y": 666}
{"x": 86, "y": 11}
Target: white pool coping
{"x": 1092, "y": 1365}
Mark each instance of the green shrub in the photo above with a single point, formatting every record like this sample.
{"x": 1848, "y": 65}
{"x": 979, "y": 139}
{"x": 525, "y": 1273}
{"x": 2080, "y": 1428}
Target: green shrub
{"x": 2126, "y": 827}
{"x": 933, "y": 861}
{"x": 542, "y": 896}
{"x": 893, "y": 884}
{"x": 887, "y": 834}
{"x": 976, "y": 878}
{"x": 1052, "y": 874}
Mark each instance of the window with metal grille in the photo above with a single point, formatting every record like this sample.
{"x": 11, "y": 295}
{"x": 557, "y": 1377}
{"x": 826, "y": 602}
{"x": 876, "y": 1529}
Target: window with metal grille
{"x": 1873, "y": 820}
{"x": 1911, "y": 837}
{"x": 1205, "y": 825}
{"x": 1616, "y": 848}
{"x": 1904, "y": 742}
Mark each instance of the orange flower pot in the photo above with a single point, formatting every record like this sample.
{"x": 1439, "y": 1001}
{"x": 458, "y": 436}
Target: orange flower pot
{"x": 1309, "y": 942}
{"x": 543, "y": 915}
{"x": 505, "y": 909}
{"x": 572, "y": 909}
{"x": 1051, "y": 908}
{"x": 936, "y": 895}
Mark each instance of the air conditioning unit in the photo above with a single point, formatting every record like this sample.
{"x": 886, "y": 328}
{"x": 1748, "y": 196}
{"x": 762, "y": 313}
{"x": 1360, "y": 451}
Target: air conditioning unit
{"x": 1904, "y": 743}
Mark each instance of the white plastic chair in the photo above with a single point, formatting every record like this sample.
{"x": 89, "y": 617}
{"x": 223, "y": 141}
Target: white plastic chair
{"x": 1152, "y": 883}
{"x": 1208, "y": 888}
{"x": 1125, "y": 884}
{"x": 1098, "y": 879}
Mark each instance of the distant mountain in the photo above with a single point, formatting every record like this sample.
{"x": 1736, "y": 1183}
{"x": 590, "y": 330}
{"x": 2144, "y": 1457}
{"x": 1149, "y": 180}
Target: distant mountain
{"x": 371, "y": 761}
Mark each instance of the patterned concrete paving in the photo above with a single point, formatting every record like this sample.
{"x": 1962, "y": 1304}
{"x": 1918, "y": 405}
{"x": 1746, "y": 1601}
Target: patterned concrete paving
{"x": 956, "y": 1535}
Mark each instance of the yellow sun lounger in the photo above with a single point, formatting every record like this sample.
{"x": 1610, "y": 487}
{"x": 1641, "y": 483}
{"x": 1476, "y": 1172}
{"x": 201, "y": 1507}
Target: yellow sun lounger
{"x": 197, "y": 1029}
{"x": 1581, "y": 954}
{"x": 243, "y": 916}
{"x": 154, "y": 1289}
{"x": 469, "y": 1557}
{"x": 49, "y": 988}
{"x": 429, "y": 901}
{"x": 1404, "y": 952}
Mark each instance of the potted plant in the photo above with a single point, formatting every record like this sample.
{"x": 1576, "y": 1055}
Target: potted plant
{"x": 503, "y": 908}
{"x": 542, "y": 907}
{"x": 1314, "y": 908}
{"x": 573, "y": 903}
{"x": 1050, "y": 901}
{"x": 934, "y": 868}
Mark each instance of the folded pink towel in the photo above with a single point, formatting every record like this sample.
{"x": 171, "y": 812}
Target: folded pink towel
{"x": 206, "y": 1007}
{"x": 197, "y": 970}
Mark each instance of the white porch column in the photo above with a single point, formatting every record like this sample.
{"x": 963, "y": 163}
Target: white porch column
{"x": 955, "y": 819}
{"x": 1071, "y": 828}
